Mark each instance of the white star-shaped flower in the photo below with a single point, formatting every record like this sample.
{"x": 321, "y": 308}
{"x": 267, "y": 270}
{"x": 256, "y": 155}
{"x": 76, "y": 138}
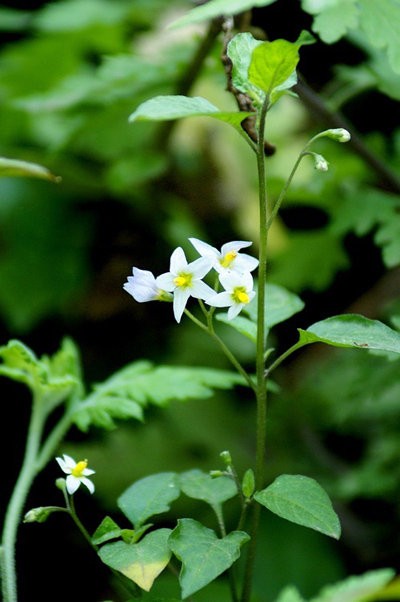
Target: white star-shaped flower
{"x": 238, "y": 292}
{"x": 229, "y": 257}
{"x": 142, "y": 286}
{"x": 77, "y": 473}
{"x": 184, "y": 280}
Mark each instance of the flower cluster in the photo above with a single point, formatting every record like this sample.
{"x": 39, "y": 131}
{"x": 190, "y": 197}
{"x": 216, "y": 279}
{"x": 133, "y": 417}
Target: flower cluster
{"x": 185, "y": 279}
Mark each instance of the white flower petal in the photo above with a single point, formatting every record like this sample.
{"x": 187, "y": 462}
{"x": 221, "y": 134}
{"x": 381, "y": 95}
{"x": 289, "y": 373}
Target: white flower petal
{"x": 72, "y": 484}
{"x": 181, "y": 297}
{"x": 142, "y": 285}
{"x": 220, "y": 300}
{"x": 166, "y": 282}
{"x": 178, "y": 261}
{"x": 88, "y": 471}
{"x": 66, "y": 463}
{"x": 201, "y": 290}
{"x": 204, "y": 248}
{"x": 231, "y": 279}
{"x": 235, "y": 245}
{"x": 88, "y": 484}
{"x": 244, "y": 263}
{"x": 200, "y": 267}
{"x": 234, "y": 310}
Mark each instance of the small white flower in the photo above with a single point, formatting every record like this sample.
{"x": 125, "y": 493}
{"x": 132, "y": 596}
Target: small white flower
{"x": 142, "y": 286}
{"x": 229, "y": 257}
{"x": 77, "y": 473}
{"x": 184, "y": 280}
{"x": 238, "y": 292}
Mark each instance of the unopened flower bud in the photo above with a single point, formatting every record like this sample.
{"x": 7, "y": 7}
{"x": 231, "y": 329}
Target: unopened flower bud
{"x": 320, "y": 163}
{"x": 214, "y": 474}
{"x": 40, "y": 514}
{"x": 226, "y": 457}
{"x": 339, "y": 134}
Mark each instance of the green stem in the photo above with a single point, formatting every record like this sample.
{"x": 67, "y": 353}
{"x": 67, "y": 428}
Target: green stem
{"x": 284, "y": 190}
{"x": 282, "y": 357}
{"x": 261, "y": 388}
{"x": 210, "y": 330}
{"x": 15, "y": 507}
{"x": 53, "y": 439}
{"x": 76, "y": 519}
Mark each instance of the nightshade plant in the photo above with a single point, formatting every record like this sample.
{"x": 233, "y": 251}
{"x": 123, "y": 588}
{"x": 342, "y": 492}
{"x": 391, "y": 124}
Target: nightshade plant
{"x": 262, "y": 72}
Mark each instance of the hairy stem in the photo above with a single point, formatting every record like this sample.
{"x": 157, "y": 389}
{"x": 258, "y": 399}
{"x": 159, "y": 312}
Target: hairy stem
{"x": 261, "y": 388}
{"x": 16, "y": 504}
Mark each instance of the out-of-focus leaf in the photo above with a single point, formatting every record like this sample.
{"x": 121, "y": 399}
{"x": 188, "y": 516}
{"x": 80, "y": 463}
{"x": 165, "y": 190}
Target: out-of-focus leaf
{"x": 128, "y": 391}
{"x": 290, "y": 594}
{"x": 357, "y": 588}
{"x": 379, "y": 22}
{"x": 51, "y": 379}
{"x": 17, "y": 168}
{"x": 216, "y": 8}
{"x": 14, "y": 20}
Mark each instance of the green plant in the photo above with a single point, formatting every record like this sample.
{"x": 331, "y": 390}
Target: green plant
{"x": 262, "y": 73}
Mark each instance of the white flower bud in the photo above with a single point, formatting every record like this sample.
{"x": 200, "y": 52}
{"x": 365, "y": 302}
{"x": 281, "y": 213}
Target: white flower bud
{"x": 320, "y": 163}
{"x": 339, "y": 134}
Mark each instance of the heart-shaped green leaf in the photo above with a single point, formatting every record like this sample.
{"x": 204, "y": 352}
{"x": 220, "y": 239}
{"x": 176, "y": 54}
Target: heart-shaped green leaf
{"x": 148, "y": 496}
{"x": 204, "y": 556}
{"x": 301, "y": 500}
{"x": 141, "y": 562}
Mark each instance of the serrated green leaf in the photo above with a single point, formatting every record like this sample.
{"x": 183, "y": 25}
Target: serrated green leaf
{"x": 201, "y": 486}
{"x": 16, "y": 168}
{"x": 352, "y": 330}
{"x": 216, "y": 8}
{"x": 301, "y": 500}
{"x": 379, "y": 22}
{"x": 75, "y": 15}
{"x": 162, "y": 108}
{"x": 203, "y": 555}
{"x": 127, "y": 392}
{"x": 358, "y": 588}
{"x": 332, "y": 19}
{"x": 387, "y": 236}
{"x": 149, "y": 496}
{"x": 141, "y": 562}
{"x": 51, "y": 379}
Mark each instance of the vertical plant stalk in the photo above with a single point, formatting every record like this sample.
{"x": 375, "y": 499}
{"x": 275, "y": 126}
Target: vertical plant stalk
{"x": 261, "y": 385}
{"x": 16, "y": 503}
